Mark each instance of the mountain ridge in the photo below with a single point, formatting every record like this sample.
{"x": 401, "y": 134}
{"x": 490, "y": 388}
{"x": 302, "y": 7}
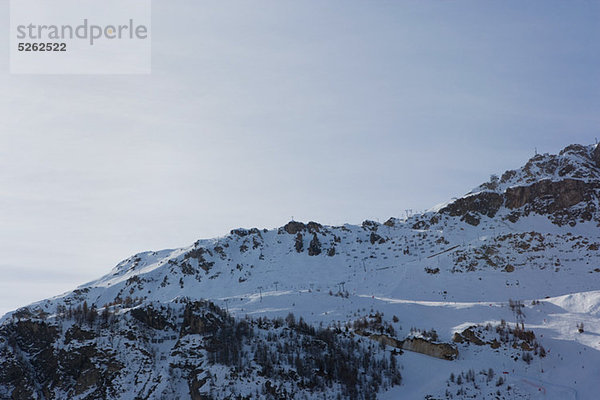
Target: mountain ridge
{"x": 530, "y": 234}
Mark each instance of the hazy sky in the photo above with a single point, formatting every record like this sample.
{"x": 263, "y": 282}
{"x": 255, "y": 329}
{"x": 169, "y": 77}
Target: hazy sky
{"x": 333, "y": 111}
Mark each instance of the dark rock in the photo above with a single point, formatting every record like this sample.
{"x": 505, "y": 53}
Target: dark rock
{"x": 314, "y": 248}
{"x": 546, "y": 197}
{"x": 220, "y": 251}
{"x": 508, "y": 175}
{"x": 241, "y": 232}
{"x": 470, "y": 336}
{"x": 485, "y": 203}
{"x": 198, "y": 254}
{"x": 471, "y": 219}
{"x": 375, "y": 238}
{"x": 576, "y": 149}
{"x": 314, "y": 227}
{"x": 556, "y": 199}
{"x": 299, "y": 243}
{"x": 556, "y": 195}
{"x": 457, "y": 338}
{"x": 294, "y": 227}
{"x": 444, "y": 351}
{"x": 420, "y": 224}
{"x": 370, "y": 225}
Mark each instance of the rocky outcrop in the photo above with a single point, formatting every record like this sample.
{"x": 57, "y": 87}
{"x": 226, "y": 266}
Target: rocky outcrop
{"x": 314, "y": 248}
{"x": 375, "y": 238}
{"x": 197, "y": 254}
{"x": 294, "y": 227}
{"x": 241, "y": 232}
{"x": 469, "y": 336}
{"x": 444, "y": 351}
{"x": 535, "y": 189}
{"x": 557, "y": 200}
{"x": 314, "y": 227}
{"x": 386, "y": 340}
{"x": 370, "y": 225}
{"x": 486, "y": 203}
{"x": 299, "y": 243}
{"x": 381, "y": 338}
{"x": 548, "y": 197}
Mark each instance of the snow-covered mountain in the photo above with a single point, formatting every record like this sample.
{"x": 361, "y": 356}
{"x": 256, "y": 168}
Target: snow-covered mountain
{"x": 493, "y": 295}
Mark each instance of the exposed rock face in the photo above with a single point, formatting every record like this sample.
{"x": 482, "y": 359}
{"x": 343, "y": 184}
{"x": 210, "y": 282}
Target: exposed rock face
{"x": 513, "y": 337}
{"x": 469, "y": 336}
{"x": 486, "y": 203}
{"x": 198, "y": 255}
{"x": 556, "y": 199}
{"x": 535, "y": 189}
{"x": 293, "y": 227}
{"x": 547, "y": 196}
{"x": 241, "y": 232}
{"x": 439, "y": 350}
{"x": 375, "y": 238}
{"x": 314, "y": 226}
{"x": 314, "y": 248}
{"x": 370, "y": 225}
{"x": 299, "y": 243}
{"x": 386, "y": 340}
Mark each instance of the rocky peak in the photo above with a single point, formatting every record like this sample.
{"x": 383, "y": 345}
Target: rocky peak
{"x": 563, "y": 186}
{"x": 573, "y": 162}
{"x": 294, "y": 227}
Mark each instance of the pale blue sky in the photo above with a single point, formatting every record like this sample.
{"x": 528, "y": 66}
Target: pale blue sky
{"x": 334, "y": 111}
